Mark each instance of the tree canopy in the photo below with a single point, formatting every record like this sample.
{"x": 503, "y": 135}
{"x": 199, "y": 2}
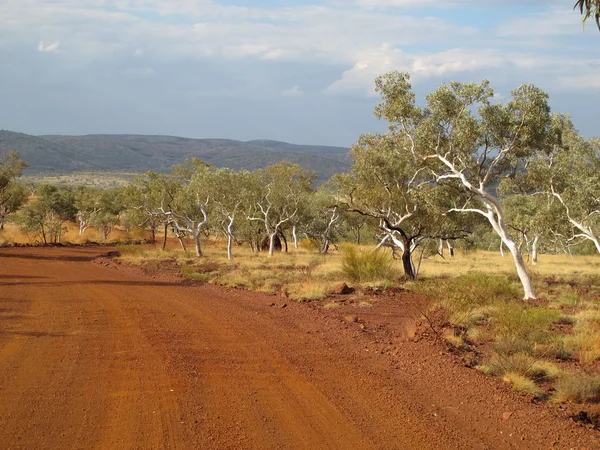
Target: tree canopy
{"x": 589, "y": 9}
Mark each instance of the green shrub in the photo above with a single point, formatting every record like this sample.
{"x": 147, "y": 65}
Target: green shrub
{"x": 366, "y": 265}
{"x": 519, "y": 328}
{"x": 467, "y": 298}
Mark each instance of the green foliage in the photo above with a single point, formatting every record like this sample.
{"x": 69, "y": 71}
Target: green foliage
{"x": 12, "y": 193}
{"x": 589, "y": 9}
{"x": 45, "y": 217}
{"x": 366, "y": 265}
{"x": 466, "y": 298}
{"x": 518, "y": 328}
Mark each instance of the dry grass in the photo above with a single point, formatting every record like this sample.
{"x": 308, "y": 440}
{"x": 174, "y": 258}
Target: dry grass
{"x": 12, "y": 234}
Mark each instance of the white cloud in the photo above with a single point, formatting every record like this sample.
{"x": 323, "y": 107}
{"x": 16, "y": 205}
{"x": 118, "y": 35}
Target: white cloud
{"x": 48, "y": 47}
{"x": 293, "y": 92}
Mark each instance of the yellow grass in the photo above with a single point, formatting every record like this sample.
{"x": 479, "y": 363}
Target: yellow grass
{"x": 12, "y": 233}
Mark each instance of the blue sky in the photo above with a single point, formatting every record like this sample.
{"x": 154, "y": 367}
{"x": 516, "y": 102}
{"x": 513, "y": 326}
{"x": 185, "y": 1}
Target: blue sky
{"x": 298, "y": 71}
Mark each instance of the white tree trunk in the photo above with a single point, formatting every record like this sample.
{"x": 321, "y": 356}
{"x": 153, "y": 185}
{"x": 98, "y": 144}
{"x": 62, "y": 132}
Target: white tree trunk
{"x": 441, "y": 248}
{"x": 499, "y": 226}
{"x": 534, "y": 249}
{"x": 197, "y": 243}
{"x": 295, "y": 236}
{"x": 272, "y": 243}
{"x": 230, "y": 238}
{"x": 450, "y": 248}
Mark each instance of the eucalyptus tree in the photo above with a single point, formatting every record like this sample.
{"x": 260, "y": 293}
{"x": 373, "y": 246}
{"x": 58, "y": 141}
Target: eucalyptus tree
{"x": 535, "y": 219}
{"x": 12, "y": 193}
{"x": 385, "y": 183}
{"x": 45, "y": 217}
{"x": 280, "y": 189}
{"x": 322, "y": 217}
{"x": 568, "y": 172}
{"x": 87, "y": 203}
{"x": 389, "y": 184}
{"x": 589, "y": 9}
{"x": 469, "y": 142}
{"x": 147, "y": 197}
{"x": 188, "y": 212}
{"x": 109, "y": 205}
{"x": 230, "y": 192}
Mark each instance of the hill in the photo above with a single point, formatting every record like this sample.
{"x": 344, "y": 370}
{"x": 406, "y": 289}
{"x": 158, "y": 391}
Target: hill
{"x": 138, "y": 153}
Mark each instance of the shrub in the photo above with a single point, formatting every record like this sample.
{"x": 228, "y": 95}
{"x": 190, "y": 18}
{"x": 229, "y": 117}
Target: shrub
{"x": 130, "y": 249}
{"x": 578, "y": 389}
{"x": 366, "y": 265}
{"x": 586, "y": 341}
{"x": 522, "y": 384}
{"x": 467, "y": 298}
{"x": 520, "y": 328}
{"x": 189, "y": 271}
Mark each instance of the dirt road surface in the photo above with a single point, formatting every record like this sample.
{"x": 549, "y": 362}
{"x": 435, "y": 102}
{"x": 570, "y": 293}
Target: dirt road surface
{"x": 92, "y": 357}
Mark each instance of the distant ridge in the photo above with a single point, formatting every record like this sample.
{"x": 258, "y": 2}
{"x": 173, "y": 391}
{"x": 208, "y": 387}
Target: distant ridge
{"x": 57, "y": 154}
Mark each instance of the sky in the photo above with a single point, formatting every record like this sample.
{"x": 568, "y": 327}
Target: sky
{"x": 300, "y": 71}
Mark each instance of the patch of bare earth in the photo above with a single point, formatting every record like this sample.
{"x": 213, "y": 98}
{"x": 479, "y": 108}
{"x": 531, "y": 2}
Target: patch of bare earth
{"x": 98, "y": 356}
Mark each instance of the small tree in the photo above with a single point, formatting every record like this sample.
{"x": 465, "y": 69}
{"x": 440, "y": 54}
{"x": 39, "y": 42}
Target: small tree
{"x": 323, "y": 218}
{"x": 45, "y": 217}
{"x": 567, "y": 171}
{"x": 229, "y": 192}
{"x": 280, "y": 188}
{"x": 188, "y": 212}
{"x": 12, "y": 194}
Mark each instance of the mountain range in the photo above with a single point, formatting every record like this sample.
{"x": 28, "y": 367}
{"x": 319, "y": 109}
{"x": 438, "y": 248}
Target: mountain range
{"x": 57, "y": 154}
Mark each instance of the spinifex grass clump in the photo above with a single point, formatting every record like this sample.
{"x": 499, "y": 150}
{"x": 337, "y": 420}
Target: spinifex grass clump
{"x": 366, "y": 265}
{"x": 130, "y": 249}
{"x": 467, "y": 299}
{"x": 578, "y": 388}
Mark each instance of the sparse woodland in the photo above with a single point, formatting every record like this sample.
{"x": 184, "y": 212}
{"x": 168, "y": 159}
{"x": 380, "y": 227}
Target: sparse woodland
{"x": 456, "y": 170}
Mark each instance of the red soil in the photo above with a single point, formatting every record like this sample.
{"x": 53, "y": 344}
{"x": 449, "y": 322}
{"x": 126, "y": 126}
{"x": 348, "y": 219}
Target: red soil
{"x": 97, "y": 357}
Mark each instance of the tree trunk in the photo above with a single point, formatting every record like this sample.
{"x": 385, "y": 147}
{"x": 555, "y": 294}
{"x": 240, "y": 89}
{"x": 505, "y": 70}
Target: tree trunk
{"x": 229, "y": 238}
{"x": 501, "y": 229}
{"x": 441, "y": 248}
{"x": 295, "y": 236}
{"x": 596, "y": 242}
{"x": 521, "y": 270}
{"x": 153, "y": 231}
{"x": 165, "y": 236}
{"x": 229, "y": 245}
{"x": 501, "y": 248}
{"x": 534, "y": 249}
{"x": 197, "y": 243}
{"x": 272, "y": 243}
{"x": 179, "y": 238}
{"x": 409, "y": 270}
{"x": 450, "y": 248}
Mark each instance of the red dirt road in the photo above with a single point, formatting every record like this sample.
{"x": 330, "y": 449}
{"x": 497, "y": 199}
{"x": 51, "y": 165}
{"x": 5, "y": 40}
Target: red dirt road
{"x": 96, "y": 358}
